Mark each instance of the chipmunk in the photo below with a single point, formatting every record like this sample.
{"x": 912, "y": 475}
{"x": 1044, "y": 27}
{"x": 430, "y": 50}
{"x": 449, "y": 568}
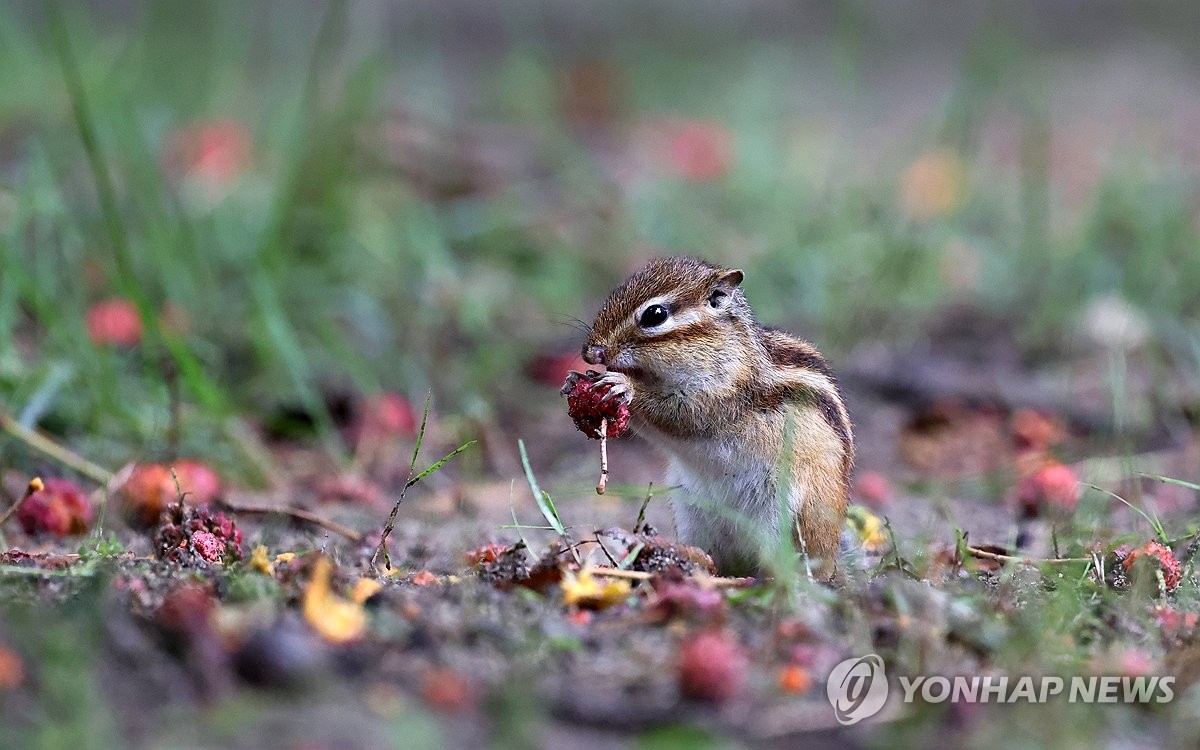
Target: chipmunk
{"x": 725, "y": 399}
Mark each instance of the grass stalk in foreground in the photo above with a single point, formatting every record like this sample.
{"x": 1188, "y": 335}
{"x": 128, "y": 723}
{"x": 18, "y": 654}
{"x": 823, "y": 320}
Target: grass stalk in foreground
{"x": 413, "y": 478}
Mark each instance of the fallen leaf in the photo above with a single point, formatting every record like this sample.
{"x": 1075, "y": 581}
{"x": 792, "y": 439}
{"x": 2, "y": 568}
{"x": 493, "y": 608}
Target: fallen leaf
{"x": 933, "y": 185}
{"x": 425, "y": 578}
{"x": 868, "y": 527}
{"x": 487, "y": 554}
{"x": 446, "y": 690}
{"x": 795, "y": 679}
{"x": 335, "y": 619}
{"x": 12, "y": 669}
{"x": 584, "y": 590}
{"x": 259, "y": 561}
{"x": 364, "y": 589}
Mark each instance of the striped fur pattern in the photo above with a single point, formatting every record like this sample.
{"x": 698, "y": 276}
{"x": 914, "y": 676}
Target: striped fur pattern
{"x": 722, "y": 396}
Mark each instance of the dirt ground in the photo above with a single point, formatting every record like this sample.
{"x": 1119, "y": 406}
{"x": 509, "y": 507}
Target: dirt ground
{"x": 466, "y": 655}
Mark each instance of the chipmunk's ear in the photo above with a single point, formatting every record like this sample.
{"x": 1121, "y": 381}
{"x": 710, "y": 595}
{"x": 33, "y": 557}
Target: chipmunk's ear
{"x": 729, "y": 281}
{"x": 722, "y": 290}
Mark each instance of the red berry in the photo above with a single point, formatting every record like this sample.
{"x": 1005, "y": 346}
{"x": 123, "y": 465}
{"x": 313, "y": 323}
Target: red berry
{"x": 873, "y": 489}
{"x": 213, "y": 152}
{"x": 199, "y": 480}
{"x": 59, "y": 508}
{"x": 488, "y": 553}
{"x": 712, "y": 666}
{"x": 145, "y": 494}
{"x": 585, "y": 407}
{"x": 1052, "y": 487}
{"x": 386, "y": 415}
{"x": 1171, "y": 569}
{"x": 114, "y": 321}
{"x": 700, "y": 151}
{"x": 208, "y": 546}
{"x": 1034, "y": 430}
{"x": 187, "y": 608}
{"x": 446, "y": 690}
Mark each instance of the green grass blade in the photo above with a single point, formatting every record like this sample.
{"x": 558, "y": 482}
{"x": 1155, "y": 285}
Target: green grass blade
{"x": 1155, "y": 524}
{"x": 193, "y": 373}
{"x": 544, "y": 503}
{"x": 629, "y": 558}
{"x": 1170, "y": 480}
{"x": 440, "y": 462}
{"x": 421, "y": 432}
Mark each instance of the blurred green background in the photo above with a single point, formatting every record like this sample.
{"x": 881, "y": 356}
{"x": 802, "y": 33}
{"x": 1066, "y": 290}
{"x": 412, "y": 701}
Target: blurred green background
{"x": 312, "y": 199}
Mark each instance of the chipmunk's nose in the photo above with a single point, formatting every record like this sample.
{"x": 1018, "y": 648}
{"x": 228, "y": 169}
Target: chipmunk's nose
{"x": 595, "y": 355}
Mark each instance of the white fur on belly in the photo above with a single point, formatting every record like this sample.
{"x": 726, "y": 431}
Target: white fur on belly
{"x": 727, "y": 502}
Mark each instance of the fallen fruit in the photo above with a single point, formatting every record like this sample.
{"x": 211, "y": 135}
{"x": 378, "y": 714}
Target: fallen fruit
{"x": 145, "y": 494}
{"x": 199, "y": 481}
{"x": 873, "y": 489}
{"x": 795, "y": 679}
{"x": 59, "y": 508}
{"x": 114, "y": 322}
{"x": 1054, "y": 487}
{"x": 197, "y": 536}
{"x": 1171, "y": 570}
{"x": 385, "y": 415}
{"x": 208, "y": 546}
{"x": 712, "y": 666}
{"x": 151, "y": 488}
{"x": 446, "y": 690}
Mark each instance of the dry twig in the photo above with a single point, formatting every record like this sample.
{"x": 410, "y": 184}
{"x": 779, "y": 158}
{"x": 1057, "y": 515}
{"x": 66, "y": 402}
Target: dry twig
{"x": 298, "y": 514}
{"x": 64, "y": 456}
{"x": 35, "y": 485}
{"x": 996, "y": 557}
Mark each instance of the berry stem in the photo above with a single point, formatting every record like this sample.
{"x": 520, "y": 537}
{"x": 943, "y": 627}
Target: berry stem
{"x": 603, "y": 456}
{"x": 35, "y": 485}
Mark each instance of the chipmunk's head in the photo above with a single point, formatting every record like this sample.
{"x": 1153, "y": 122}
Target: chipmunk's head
{"x": 675, "y": 319}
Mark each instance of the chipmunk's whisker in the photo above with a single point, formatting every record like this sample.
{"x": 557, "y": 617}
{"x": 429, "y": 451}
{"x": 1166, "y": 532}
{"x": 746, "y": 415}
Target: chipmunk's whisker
{"x": 573, "y": 322}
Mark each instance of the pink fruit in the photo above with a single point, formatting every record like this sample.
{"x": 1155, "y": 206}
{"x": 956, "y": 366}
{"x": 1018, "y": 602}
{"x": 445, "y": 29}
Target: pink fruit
{"x": 59, "y": 508}
{"x": 1172, "y": 571}
{"x": 712, "y": 666}
{"x": 873, "y": 489}
{"x": 387, "y": 414}
{"x": 114, "y": 322}
{"x": 208, "y": 546}
{"x": 586, "y": 407}
{"x": 1052, "y": 487}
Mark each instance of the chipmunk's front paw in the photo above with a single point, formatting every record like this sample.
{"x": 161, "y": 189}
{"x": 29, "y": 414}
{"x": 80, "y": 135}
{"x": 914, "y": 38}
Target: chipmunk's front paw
{"x": 619, "y": 387}
{"x": 574, "y": 377}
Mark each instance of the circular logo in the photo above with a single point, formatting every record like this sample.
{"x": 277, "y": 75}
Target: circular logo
{"x": 857, "y": 688}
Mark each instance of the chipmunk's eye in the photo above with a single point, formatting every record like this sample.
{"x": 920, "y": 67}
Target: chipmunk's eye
{"x": 653, "y": 315}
